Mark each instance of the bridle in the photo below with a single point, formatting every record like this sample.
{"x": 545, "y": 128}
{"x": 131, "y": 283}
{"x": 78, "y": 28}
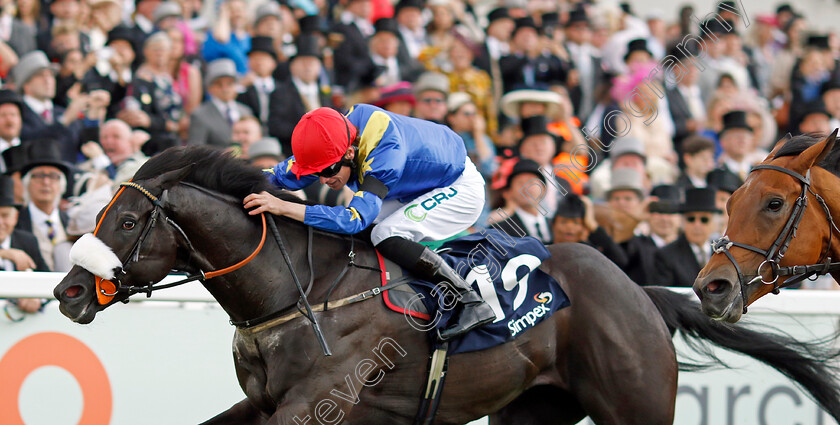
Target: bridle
{"x": 106, "y": 290}
{"x": 777, "y": 251}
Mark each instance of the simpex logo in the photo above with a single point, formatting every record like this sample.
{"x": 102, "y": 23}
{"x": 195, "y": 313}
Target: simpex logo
{"x": 530, "y": 318}
{"x": 428, "y": 204}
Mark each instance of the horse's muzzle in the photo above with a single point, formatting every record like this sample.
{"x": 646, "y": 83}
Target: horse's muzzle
{"x": 720, "y": 296}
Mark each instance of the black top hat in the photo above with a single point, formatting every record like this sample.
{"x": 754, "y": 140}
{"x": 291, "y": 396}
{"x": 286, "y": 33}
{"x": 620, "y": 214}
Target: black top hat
{"x": 815, "y": 107}
{"x": 522, "y": 167}
{"x": 368, "y": 76}
{"x": 818, "y": 42}
{"x": 307, "y": 45}
{"x": 14, "y": 158}
{"x": 784, "y": 7}
{"x": 625, "y": 7}
{"x": 699, "y": 200}
{"x": 263, "y": 44}
{"x": 7, "y": 192}
{"x": 550, "y": 21}
{"x": 44, "y": 152}
{"x": 668, "y": 199}
{"x": 576, "y": 16}
{"x": 831, "y": 84}
{"x": 313, "y": 23}
{"x": 722, "y": 179}
{"x": 637, "y": 45}
{"x": 403, "y": 4}
{"x": 122, "y": 33}
{"x": 386, "y": 25}
{"x": 526, "y": 22}
{"x": 498, "y": 13}
{"x": 532, "y": 126}
{"x": 11, "y": 96}
{"x": 570, "y": 206}
{"x": 735, "y": 119}
{"x": 713, "y": 26}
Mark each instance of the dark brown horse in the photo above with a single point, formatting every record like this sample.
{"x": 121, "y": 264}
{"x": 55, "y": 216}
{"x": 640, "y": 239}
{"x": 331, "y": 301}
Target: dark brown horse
{"x": 780, "y": 218}
{"x": 608, "y": 356}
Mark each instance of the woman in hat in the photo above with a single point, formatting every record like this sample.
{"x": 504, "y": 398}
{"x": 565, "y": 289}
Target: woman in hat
{"x": 413, "y": 182}
{"x": 186, "y": 77}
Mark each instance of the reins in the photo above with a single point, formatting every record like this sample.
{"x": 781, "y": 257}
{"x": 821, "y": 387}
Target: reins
{"x": 777, "y": 251}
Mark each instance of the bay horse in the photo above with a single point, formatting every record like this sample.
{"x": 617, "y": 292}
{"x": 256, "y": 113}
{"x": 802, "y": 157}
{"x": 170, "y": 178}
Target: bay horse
{"x": 781, "y": 227}
{"x": 608, "y": 356}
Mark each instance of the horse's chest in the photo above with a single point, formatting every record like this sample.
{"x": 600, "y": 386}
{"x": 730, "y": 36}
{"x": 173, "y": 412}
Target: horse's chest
{"x": 251, "y": 371}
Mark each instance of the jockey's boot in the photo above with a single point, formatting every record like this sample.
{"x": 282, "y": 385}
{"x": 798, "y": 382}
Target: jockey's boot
{"x": 471, "y": 311}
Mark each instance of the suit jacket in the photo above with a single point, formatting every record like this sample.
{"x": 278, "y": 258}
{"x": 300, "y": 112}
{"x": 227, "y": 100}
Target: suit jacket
{"x": 641, "y": 259}
{"x": 410, "y": 68}
{"x": 285, "y": 108}
{"x": 22, "y": 39}
{"x": 208, "y": 126}
{"x": 680, "y": 114}
{"x": 34, "y": 127}
{"x": 546, "y": 69}
{"x": 351, "y": 56}
{"x": 26, "y": 242}
{"x": 676, "y": 264}
{"x": 514, "y": 227}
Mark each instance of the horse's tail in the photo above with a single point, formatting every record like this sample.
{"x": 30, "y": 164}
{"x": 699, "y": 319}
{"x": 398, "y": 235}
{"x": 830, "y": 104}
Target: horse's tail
{"x": 811, "y": 364}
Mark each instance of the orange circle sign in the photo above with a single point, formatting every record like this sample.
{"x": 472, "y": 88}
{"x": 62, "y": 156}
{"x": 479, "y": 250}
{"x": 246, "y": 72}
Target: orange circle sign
{"x": 66, "y": 352}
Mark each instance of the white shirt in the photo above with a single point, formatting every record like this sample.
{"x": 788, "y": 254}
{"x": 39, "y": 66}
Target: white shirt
{"x": 392, "y": 71}
{"x": 702, "y": 254}
{"x": 415, "y": 41}
{"x": 535, "y": 225}
{"x": 144, "y": 23}
{"x": 6, "y": 26}
{"x": 308, "y": 91}
{"x": 7, "y": 265}
{"x": 657, "y": 240}
{"x": 264, "y": 87}
{"x": 694, "y": 101}
{"x": 697, "y": 182}
{"x": 39, "y": 107}
{"x": 740, "y": 168}
{"x": 362, "y": 24}
{"x": 582, "y": 58}
{"x": 497, "y": 48}
{"x": 224, "y": 107}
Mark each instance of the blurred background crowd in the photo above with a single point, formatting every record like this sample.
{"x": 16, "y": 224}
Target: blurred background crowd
{"x": 92, "y": 88}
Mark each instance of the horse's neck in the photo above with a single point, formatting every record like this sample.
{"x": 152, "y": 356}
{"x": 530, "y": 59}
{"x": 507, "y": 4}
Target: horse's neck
{"x": 827, "y": 186}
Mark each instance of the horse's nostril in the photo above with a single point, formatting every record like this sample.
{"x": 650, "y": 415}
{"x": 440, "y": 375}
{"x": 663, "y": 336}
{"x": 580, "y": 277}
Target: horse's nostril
{"x": 716, "y": 286}
{"x": 73, "y": 291}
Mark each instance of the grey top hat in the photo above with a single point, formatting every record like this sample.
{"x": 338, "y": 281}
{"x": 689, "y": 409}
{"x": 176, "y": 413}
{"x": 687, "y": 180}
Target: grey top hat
{"x": 626, "y": 145}
{"x": 267, "y": 146}
{"x": 432, "y": 81}
{"x": 166, "y": 10}
{"x": 626, "y": 179}
{"x": 29, "y": 65}
{"x": 220, "y": 68}
{"x": 265, "y": 10}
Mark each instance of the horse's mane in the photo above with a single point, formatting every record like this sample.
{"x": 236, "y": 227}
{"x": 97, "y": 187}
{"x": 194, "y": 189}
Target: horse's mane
{"x": 214, "y": 169}
{"x": 797, "y": 144}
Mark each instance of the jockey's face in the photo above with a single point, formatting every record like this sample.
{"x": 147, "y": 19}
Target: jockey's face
{"x": 340, "y": 179}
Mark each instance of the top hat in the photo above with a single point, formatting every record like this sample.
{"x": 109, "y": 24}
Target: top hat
{"x": 29, "y": 65}
{"x": 626, "y": 179}
{"x": 44, "y": 152}
{"x": 831, "y": 84}
{"x": 637, "y": 45}
{"x": 549, "y": 21}
{"x": 386, "y": 25}
{"x": 307, "y": 45}
{"x": 9, "y": 96}
{"x": 570, "y": 206}
{"x": 668, "y": 199}
{"x": 165, "y": 10}
{"x": 432, "y": 80}
{"x": 699, "y": 200}
{"x": 511, "y": 101}
{"x": 7, "y": 192}
{"x": 814, "y": 107}
{"x": 122, "y": 33}
{"x": 313, "y": 23}
{"x": 784, "y": 7}
{"x": 404, "y": 4}
{"x": 576, "y": 16}
{"x": 265, "y": 10}
{"x": 265, "y": 147}
{"x": 735, "y": 119}
{"x": 263, "y": 44}
{"x": 526, "y": 22}
{"x": 498, "y": 13}
{"x": 818, "y": 42}
{"x": 521, "y": 167}
{"x": 722, "y": 179}
{"x": 713, "y": 26}
{"x": 219, "y": 68}
{"x": 533, "y": 126}
{"x": 14, "y": 158}
{"x": 627, "y": 145}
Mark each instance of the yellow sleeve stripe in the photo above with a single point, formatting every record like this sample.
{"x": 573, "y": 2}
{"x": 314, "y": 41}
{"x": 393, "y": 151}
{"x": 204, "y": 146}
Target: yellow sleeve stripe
{"x": 268, "y": 170}
{"x": 371, "y": 135}
{"x": 355, "y": 213}
{"x": 289, "y": 165}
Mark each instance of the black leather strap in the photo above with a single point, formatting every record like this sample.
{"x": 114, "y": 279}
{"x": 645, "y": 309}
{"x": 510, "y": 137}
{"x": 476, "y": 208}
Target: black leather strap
{"x": 374, "y": 186}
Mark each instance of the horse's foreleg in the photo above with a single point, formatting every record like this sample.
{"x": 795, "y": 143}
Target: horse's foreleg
{"x": 242, "y": 413}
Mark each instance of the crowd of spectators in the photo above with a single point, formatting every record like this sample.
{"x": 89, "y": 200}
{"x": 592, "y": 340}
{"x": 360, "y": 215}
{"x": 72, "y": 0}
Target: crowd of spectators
{"x": 92, "y": 88}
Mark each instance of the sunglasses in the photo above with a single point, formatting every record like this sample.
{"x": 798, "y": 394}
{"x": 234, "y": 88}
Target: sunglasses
{"x": 329, "y": 171}
{"x": 46, "y": 176}
{"x": 432, "y": 100}
{"x": 693, "y": 218}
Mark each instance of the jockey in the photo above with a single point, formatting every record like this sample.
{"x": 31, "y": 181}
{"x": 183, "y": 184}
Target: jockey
{"x": 413, "y": 182}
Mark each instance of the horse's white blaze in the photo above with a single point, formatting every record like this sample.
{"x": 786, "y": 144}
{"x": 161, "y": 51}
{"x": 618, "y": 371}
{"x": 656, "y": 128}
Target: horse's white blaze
{"x": 91, "y": 254}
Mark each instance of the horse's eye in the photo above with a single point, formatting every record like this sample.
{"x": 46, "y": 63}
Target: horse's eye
{"x": 775, "y": 205}
{"x": 128, "y": 224}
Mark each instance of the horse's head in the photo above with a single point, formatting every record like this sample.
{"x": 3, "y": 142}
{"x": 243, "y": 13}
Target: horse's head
{"x": 132, "y": 246}
{"x": 762, "y": 235}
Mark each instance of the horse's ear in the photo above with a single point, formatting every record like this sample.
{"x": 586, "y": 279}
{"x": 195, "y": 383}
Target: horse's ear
{"x": 814, "y": 154}
{"x": 171, "y": 178}
{"x": 778, "y": 147}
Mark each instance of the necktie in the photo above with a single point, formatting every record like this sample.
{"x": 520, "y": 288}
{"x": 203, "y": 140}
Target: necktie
{"x": 47, "y": 116}
{"x": 229, "y": 115}
{"x": 50, "y": 230}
